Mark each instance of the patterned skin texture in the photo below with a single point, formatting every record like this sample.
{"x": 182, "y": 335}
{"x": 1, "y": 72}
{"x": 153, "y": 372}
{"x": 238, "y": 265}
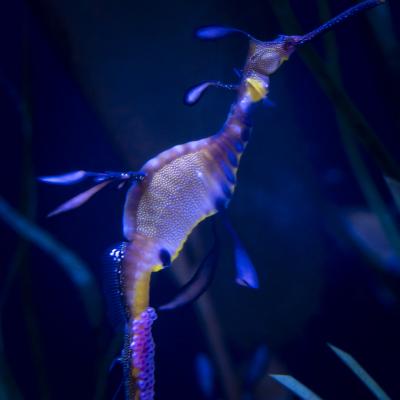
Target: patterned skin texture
{"x": 141, "y": 349}
{"x": 182, "y": 187}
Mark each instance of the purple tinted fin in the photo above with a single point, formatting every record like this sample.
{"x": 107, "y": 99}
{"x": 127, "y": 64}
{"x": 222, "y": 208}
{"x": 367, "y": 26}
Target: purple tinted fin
{"x": 101, "y": 178}
{"x": 212, "y": 32}
{"x": 200, "y": 281}
{"x": 66, "y": 179}
{"x": 246, "y": 274}
{"x": 193, "y": 95}
{"x": 78, "y": 200}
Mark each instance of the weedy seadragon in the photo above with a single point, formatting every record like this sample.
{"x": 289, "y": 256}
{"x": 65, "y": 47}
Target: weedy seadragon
{"x": 176, "y": 190}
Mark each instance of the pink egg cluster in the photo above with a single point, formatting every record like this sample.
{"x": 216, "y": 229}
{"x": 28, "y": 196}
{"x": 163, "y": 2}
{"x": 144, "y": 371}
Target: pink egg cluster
{"x": 142, "y": 348}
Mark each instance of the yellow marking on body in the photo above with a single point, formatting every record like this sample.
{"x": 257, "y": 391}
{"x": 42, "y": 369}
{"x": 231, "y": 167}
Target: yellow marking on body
{"x": 181, "y": 188}
{"x": 142, "y": 289}
{"x": 159, "y": 267}
{"x": 179, "y": 249}
{"x": 178, "y": 188}
{"x": 256, "y": 89}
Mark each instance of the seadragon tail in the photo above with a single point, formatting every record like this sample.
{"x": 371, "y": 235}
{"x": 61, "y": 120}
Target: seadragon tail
{"x": 139, "y": 357}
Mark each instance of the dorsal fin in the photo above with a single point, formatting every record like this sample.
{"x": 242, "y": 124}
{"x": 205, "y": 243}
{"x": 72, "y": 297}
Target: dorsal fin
{"x": 113, "y": 285}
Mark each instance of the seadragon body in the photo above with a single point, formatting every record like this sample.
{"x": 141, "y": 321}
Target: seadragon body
{"x": 176, "y": 190}
{"x": 182, "y": 186}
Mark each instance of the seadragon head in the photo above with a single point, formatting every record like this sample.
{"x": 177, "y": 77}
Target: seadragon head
{"x": 265, "y": 57}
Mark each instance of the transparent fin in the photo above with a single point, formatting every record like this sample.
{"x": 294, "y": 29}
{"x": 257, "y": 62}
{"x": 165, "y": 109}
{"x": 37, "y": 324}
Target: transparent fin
{"x": 246, "y": 274}
{"x": 78, "y": 200}
{"x": 112, "y": 284}
{"x": 200, "y": 281}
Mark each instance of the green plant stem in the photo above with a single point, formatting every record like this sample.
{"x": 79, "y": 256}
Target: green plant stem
{"x": 75, "y": 268}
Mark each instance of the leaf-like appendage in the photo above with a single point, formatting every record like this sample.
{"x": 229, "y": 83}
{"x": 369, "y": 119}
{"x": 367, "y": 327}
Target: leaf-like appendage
{"x": 296, "y": 387}
{"x": 65, "y": 179}
{"x": 212, "y": 32}
{"x": 363, "y": 375}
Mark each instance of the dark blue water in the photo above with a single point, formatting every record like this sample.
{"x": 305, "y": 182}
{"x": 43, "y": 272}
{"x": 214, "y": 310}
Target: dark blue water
{"x": 103, "y": 84}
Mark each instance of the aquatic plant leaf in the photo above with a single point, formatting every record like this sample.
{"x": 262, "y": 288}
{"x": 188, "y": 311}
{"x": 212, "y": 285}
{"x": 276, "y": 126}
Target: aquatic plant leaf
{"x": 257, "y": 366}
{"x": 366, "y": 231}
{"x": 65, "y": 179}
{"x": 78, "y": 200}
{"x": 215, "y": 32}
{"x": 74, "y": 267}
{"x": 361, "y": 373}
{"x": 296, "y": 387}
{"x": 394, "y": 187}
{"x": 199, "y": 283}
{"x": 205, "y": 374}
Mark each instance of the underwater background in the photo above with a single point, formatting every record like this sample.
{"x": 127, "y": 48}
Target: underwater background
{"x": 98, "y": 85}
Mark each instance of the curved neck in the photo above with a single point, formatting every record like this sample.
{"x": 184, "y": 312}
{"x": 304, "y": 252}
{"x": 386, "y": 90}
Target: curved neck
{"x": 240, "y": 109}
{"x": 238, "y": 123}
{"x": 251, "y": 90}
